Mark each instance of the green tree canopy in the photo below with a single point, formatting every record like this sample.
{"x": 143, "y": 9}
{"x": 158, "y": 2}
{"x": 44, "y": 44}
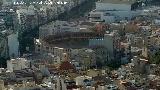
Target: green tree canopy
{"x": 155, "y": 58}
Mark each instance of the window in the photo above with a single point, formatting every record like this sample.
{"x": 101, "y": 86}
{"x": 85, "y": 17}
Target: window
{"x": 47, "y": 48}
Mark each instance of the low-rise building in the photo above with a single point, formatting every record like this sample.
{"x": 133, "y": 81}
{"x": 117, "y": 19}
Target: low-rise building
{"x": 17, "y": 64}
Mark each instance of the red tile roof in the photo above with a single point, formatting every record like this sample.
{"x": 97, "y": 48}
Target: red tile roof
{"x": 66, "y": 66}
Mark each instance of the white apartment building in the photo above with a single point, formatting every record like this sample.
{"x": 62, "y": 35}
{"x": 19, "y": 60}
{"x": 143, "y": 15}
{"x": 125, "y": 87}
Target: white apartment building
{"x": 13, "y": 45}
{"x": 112, "y": 10}
{"x": 17, "y": 64}
{"x": 9, "y": 44}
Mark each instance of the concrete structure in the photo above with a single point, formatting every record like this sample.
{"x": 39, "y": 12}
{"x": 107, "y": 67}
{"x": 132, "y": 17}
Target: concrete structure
{"x": 52, "y": 44}
{"x": 17, "y": 64}
{"x": 110, "y": 42}
{"x": 141, "y": 65}
{"x": 112, "y": 10}
{"x": 113, "y": 44}
{"x": 80, "y": 80}
{"x": 99, "y": 16}
{"x": 13, "y": 45}
{"x": 85, "y": 57}
{"x": 58, "y": 27}
{"x": 9, "y": 44}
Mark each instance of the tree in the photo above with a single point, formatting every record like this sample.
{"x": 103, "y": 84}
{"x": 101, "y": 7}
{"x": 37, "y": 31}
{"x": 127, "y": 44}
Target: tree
{"x": 3, "y": 62}
{"x": 1, "y": 2}
{"x": 155, "y": 58}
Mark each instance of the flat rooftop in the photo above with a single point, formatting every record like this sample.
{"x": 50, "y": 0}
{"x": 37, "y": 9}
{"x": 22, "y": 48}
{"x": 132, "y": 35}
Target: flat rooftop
{"x": 118, "y": 1}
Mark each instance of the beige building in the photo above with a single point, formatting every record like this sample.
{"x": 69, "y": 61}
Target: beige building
{"x": 2, "y": 85}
